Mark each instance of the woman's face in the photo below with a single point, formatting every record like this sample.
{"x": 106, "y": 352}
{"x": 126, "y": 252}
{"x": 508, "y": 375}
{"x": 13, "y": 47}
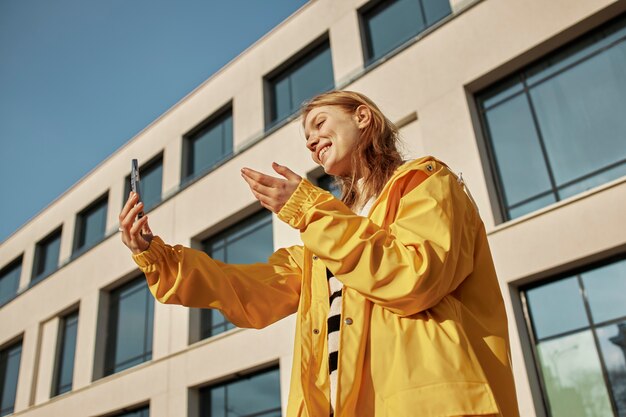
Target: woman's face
{"x": 331, "y": 135}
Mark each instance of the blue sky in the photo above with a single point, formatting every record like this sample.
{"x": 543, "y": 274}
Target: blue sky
{"x": 79, "y": 78}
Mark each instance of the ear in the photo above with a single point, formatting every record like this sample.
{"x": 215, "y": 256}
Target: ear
{"x": 363, "y": 116}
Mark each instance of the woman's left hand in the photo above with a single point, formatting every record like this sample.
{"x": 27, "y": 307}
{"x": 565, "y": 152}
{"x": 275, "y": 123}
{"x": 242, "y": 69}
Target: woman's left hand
{"x": 272, "y": 192}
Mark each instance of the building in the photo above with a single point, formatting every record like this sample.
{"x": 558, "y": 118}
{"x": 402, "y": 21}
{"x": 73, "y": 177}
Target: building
{"x": 526, "y": 98}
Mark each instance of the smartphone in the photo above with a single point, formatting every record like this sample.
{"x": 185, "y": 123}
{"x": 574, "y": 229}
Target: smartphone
{"x": 134, "y": 181}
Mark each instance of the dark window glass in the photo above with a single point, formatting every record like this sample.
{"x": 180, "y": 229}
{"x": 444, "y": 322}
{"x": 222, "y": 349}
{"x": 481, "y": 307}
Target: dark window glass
{"x": 327, "y": 182}
{"x": 91, "y": 226}
{"x": 9, "y": 372}
{"x": 579, "y": 329}
{"x": 388, "y": 24}
{"x": 46, "y": 256}
{"x": 555, "y": 128}
{"x": 209, "y": 145}
{"x": 150, "y": 184}
{"x": 10, "y": 280}
{"x": 257, "y": 395}
{"x": 310, "y": 75}
{"x": 247, "y": 242}
{"x": 141, "y": 412}
{"x": 66, "y": 348}
{"x": 129, "y": 340}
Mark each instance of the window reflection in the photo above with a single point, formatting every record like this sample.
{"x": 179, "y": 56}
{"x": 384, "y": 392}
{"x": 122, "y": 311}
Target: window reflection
{"x": 613, "y": 345}
{"x": 573, "y": 377}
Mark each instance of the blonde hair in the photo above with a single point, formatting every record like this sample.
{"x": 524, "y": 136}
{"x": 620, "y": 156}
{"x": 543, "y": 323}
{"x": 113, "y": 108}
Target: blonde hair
{"x": 376, "y": 156}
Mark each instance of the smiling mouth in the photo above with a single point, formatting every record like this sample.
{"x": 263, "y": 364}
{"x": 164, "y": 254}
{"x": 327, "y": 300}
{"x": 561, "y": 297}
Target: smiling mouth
{"x": 323, "y": 152}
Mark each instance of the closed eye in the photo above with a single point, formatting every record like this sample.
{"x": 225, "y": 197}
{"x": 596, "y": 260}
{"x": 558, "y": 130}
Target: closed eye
{"x": 320, "y": 123}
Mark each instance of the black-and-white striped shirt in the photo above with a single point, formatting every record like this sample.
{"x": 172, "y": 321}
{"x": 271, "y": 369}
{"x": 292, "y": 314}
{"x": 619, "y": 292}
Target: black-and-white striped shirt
{"x": 335, "y": 288}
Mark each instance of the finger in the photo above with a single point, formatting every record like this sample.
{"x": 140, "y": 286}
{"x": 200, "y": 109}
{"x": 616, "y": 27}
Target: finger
{"x": 135, "y": 237}
{"x": 128, "y": 221}
{"x": 132, "y": 200}
{"x": 257, "y": 186}
{"x": 286, "y": 172}
{"x": 264, "y": 179}
{"x": 265, "y": 201}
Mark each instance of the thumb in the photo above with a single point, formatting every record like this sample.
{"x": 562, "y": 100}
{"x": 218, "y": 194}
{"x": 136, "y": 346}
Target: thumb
{"x": 286, "y": 172}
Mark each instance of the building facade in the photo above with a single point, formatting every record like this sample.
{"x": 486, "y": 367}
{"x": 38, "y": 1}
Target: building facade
{"x": 526, "y": 98}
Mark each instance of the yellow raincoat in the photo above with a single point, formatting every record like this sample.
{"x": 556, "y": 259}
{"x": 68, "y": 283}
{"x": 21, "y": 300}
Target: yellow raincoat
{"x": 424, "y": 331}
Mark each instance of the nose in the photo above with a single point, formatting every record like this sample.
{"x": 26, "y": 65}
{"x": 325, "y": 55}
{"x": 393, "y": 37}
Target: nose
{"x": 311, "y": 143}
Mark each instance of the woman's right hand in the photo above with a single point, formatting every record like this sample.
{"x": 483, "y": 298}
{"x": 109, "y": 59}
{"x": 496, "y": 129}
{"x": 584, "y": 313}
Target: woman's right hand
{"x": 135, "y": 234}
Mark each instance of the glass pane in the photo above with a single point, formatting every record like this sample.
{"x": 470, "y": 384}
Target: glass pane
{"x": 556, "y": 308}
{"x": 151, "y": 181}
{"x": 573, "y": 377}
{"x": 10, "y": 364}
{"x": 281, "y": 106}
{"x": 606, "y": 288}
{"x": 592, "y": 182}
{"x": 207, "y": 149}
{"x": 531, "y": 206}
{"x": 94, "y": 225}
{"x": 392, "y": 25}
{"x": 584, "y": 47}
{"x": 48, "y": 256}
{"x": 580, "y": 115}
{"x": 520, "y": 161}
{"x": 501, "y": 91}
{"x": 9, "y": 282}
{"x": 131, "y": 326}
{"x": 66, "y": 359}
{"x": 257, "y": 396}
{"x": 254, "y": 247}
{"x": 218, "y": 402}
{"x": 436, "y": 10}
{"x": 227, "y": 137}
{"x": 613, "y": 345}
{"x": 328, "y": 183}
{"x": 312, "y": 78}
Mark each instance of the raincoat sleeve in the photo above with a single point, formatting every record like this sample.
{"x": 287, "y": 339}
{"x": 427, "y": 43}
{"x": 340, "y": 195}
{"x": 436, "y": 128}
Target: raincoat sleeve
{"x": 254, "y": 295}
{"x": 422, "y": 254}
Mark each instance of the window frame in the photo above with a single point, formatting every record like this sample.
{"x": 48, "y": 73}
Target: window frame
{"x": 534, "y": 368}
{"x": 290, "y": 65}
{"x": 56, "y": 388}
{"x": 519, "y": 75}
{"x": 36, "y": 275}
{"x": 111, "y": 330}
{"x": 147, "y": 166}
{"x": 5, "y": 352}
{"x": 18, "y": 262}
{"x": 213, "y": 120}
{"x": 239, "y": 376}
{"x": 79, "y": 228}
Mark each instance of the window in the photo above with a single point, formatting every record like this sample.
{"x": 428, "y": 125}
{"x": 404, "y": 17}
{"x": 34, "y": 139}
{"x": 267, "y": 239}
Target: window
{"x": 208, "y": 145}
{"x": 256, "y": 395}
{"x": 140, "y": 412}
{"x": 66, "y": 347}
{"x": 9, "y": 372}
{"x": 46, "y": 256}
{"x": 555, "y": 129}
{"x": 304, "y": 78}
{"x": 327, "y": 182}
{"x": 150, "y": 184}
{"x": 388, "y": 24}
{"x": 129, "y": 336}
{"x": 10, "y": 280}
{"x": 578, "y": 325}
{"x": 247, "y": 242}
{"x": 91, "y": 225}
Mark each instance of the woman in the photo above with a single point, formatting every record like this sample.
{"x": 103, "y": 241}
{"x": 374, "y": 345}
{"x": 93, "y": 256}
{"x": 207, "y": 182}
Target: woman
{"x": 415, "y": 323}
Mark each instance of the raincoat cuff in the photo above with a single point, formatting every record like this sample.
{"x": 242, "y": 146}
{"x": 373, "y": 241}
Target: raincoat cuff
{"x": 300, "y": 201}
{"x": 151, "y": 255}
